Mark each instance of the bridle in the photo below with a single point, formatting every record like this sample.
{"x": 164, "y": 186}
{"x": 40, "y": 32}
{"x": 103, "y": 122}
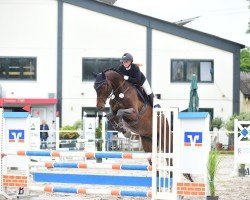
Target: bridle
{"x": 99, "y": 84}
{"x": 118, "y": 97}
{"x": 120, "y": 86}
{"x": 112, "y": 96}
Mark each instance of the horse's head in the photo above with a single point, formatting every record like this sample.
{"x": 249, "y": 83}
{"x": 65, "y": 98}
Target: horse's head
{"x": 103, "y": 89}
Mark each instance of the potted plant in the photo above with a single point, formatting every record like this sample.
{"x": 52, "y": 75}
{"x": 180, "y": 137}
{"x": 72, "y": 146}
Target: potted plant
{"x": 217, "y": 122}
{"x": 98, "y": 136}
{"x": 219, "y": 146}
{"x": 242, "y": 170}
{"x": 216, "y": 125}
{"x": 229, "y": 125}
{"x": 68, "y": 133}
{"x": 212, "y": 167}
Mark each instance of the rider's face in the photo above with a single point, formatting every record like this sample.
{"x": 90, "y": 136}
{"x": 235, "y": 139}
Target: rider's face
{"x": 126, "y": 63}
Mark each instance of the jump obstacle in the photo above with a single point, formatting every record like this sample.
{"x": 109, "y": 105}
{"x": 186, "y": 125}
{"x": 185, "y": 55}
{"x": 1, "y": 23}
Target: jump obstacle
{"x": 191, "y": 140}
{"x": 87, "y": 140}
{"x": 241, "y": 144}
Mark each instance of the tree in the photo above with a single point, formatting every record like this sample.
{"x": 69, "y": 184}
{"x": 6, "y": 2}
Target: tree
{"x": 245, "y": 60}
{"x": 248, "y": 30}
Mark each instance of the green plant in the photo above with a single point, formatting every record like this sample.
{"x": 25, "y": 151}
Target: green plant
{"x": 243, "y": 116}
{"x": 242, "y": 166}
{"x": 212, "y": 167}
{"x": 242, "y": 170}
{"x": 98, "y": 132}
{"x": 78, "y": 124}
{"x": 68, "y": 132}
{"x": 229, "y": 124}
{"x": 98, "y": 135}
{"x": 217, "y": 122}
{"x": 245, "y": 58}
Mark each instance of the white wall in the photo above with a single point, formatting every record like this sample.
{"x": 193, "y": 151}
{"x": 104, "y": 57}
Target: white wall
{"x": 90, "y": 34}
{"x": 244, "y": 103}
{"x": 217, "y": 95}
{"x": 29, "y": 29}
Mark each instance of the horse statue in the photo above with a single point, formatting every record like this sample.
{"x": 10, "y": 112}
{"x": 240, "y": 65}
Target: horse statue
{"x": 128, "y": 111}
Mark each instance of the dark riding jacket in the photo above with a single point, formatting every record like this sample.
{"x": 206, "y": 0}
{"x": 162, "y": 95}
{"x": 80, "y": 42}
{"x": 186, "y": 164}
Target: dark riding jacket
{"x": 134, "y": 74}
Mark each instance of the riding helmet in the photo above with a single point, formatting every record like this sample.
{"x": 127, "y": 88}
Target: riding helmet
{"x": 127, "y": 56}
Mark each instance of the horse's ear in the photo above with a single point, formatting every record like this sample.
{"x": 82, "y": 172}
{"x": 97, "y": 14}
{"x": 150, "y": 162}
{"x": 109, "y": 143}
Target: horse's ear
{"x": 103, "y": 75}
{"x": 94, "y": 74}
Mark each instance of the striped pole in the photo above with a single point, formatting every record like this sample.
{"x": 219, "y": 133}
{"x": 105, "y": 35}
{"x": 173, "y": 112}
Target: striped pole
{"x": 81, "y": 154}
{"x": 78, "y": 141}
{"x": 98, "y": 179}
{"x": 83, "y": 165}
{"x": 84, "y": 191}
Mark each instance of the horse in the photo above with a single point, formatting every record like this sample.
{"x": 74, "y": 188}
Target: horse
{"x": 129, "y": 113}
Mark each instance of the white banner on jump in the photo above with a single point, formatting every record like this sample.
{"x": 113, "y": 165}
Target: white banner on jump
{"x": 89, "y": 130}
{"x": 34, "y": 131}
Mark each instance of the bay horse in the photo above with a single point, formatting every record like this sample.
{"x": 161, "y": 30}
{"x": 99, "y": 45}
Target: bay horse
{"x": 129, "y": 112}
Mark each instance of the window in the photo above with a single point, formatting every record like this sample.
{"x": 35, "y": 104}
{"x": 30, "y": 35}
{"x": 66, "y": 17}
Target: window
{"x": 182, "y": 70}
{"x": 17, "y": 68}
{"x": 97, "y": 65}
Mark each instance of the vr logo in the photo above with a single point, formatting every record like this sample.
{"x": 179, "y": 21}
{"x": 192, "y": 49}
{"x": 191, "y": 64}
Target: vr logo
{"x": 16, "y": 135}
{"x": 193, "y": 139}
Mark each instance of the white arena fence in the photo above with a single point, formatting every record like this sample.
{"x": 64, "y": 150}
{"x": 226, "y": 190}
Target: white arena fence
{"x": 191, "y": 141}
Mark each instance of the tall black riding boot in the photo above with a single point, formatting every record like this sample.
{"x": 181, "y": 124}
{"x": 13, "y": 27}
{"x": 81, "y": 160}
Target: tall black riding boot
{"x": 151, "y": 99}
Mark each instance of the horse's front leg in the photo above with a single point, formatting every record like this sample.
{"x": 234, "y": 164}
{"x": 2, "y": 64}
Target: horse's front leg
{"x": 118, "y": 124}
{"x": 129, "y": 113}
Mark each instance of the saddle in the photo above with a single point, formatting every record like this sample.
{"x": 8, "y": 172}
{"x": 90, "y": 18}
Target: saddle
{"x": 143, "y": 96}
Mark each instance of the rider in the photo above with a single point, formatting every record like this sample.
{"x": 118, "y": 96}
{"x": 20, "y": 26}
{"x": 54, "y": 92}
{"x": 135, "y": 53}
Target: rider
{"x": 133, "y": 74}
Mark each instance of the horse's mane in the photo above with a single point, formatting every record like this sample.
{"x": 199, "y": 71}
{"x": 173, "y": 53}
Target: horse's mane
{"x": 113, "y": 69}
{"x": 99, "y": 79}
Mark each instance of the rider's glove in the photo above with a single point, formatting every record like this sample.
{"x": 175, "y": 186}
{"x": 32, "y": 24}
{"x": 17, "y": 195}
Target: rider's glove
{"x": 126, "y": 78}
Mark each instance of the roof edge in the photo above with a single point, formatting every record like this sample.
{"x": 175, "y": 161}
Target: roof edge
{"x": 158, "y": 24}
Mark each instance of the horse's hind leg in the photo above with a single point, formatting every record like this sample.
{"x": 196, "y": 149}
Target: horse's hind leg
{"x": 147, "y": 145}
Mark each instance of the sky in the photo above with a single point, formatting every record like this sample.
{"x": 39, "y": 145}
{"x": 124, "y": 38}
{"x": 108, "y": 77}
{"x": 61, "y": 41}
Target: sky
{"x": 227, "y": 19}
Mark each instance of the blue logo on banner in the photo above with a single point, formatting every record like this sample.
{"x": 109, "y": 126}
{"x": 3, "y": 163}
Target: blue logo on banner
{"x": 16, "y": 135}
{"x": 193, "y": 139}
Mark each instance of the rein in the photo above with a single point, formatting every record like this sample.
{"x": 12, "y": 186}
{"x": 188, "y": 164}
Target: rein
{"x": 141, "y": 111}
{"x": 112, "y": 93}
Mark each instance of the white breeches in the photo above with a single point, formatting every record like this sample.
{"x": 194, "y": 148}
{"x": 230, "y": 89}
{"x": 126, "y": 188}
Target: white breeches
{"x": 147, "y": 87}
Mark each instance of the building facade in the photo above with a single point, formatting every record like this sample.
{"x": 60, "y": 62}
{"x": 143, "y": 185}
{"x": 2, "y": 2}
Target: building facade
{"x": 49, "y": 48}
{"x": 245, "y": 92}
